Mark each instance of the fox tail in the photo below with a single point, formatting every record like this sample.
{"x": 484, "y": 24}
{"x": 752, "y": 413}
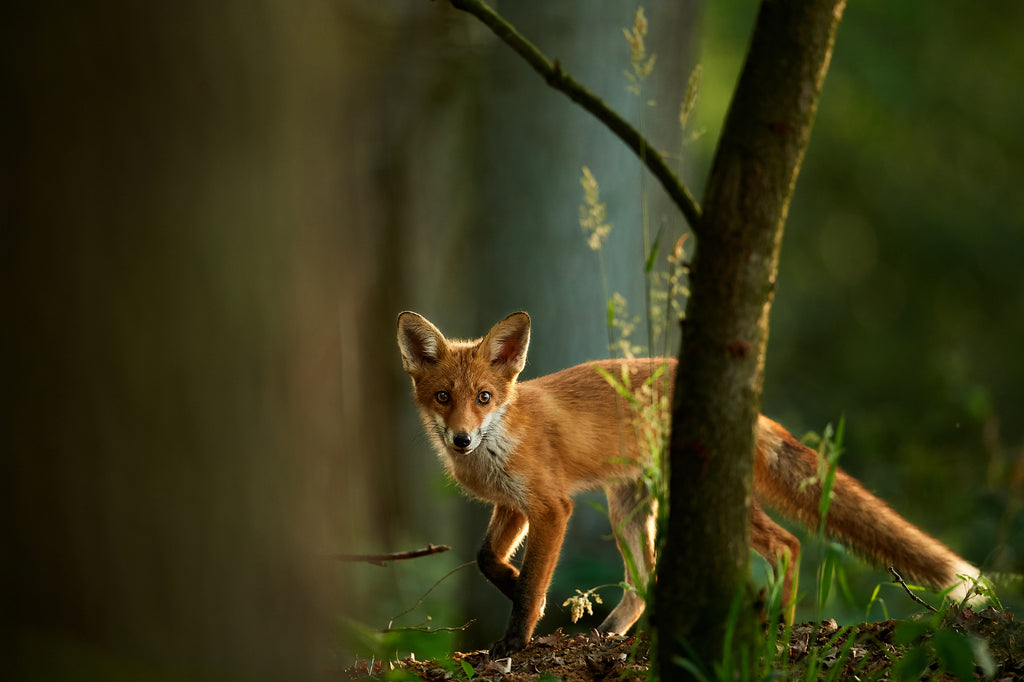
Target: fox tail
{"x": 786, "y": 473}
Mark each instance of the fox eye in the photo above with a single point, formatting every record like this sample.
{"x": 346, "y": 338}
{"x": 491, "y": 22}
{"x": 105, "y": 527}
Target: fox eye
{"x": 483, "y": 398}
{"x": 442, "y": 397}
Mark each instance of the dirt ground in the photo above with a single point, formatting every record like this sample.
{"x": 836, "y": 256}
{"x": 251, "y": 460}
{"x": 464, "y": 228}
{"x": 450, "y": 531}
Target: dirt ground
{"x": 875, "y": 649}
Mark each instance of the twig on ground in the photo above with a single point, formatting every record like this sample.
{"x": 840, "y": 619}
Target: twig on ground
{"x": 899, "y": 579}
{"x": 383, "y": 559}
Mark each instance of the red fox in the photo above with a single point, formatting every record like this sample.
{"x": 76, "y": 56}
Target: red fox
{"x": 528, "y": 447}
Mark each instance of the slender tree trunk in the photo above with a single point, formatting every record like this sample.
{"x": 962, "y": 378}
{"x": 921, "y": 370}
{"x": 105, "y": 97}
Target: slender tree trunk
{"x": 704, "y": 563}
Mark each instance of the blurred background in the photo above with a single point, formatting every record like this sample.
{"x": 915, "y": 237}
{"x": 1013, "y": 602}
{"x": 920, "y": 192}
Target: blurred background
{"x": 215, "y": 212}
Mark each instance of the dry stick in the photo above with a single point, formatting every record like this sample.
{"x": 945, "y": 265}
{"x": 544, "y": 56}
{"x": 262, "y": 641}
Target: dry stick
{"x": 913, "y": 596}
{"x": 383, "y": 559}
{"x": 558, "y": 79}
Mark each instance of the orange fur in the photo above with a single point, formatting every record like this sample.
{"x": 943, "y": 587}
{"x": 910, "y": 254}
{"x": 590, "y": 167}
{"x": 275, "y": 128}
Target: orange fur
{"x": 528, "y": 447}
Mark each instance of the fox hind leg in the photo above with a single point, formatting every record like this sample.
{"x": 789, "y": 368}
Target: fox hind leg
{"x": 774, "y": 543}
{"x": 632, "y": 513}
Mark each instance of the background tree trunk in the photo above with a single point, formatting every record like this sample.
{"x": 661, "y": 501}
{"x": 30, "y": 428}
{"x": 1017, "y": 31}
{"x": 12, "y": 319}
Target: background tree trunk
{"x": 164, "y": 483}
{"x": 705, "y": 558}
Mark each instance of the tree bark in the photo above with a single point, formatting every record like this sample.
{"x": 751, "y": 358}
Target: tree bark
{"x": 165, "y": 422}
{"x": 704, "y": 562}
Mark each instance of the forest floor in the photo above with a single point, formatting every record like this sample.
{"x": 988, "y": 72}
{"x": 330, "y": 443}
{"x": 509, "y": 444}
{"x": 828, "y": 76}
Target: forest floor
{"x": 890, "y": 649}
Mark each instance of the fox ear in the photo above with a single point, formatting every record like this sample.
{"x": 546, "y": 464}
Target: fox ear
{"x": 420, "y": 342}
{"x": 508, "y": 342}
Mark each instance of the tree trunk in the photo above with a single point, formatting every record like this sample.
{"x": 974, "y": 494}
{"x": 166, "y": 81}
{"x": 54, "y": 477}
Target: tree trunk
{"x": 725, "y": 334}
{"x": 163, "y": 440}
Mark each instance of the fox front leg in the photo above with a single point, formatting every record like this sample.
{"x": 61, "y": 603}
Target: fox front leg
{"x": 547, "y": 529}
{"x": 505, "y": 532}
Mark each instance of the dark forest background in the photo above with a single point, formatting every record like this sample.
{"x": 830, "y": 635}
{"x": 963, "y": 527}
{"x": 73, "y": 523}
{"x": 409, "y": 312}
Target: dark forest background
{"x": 215, "y": 211}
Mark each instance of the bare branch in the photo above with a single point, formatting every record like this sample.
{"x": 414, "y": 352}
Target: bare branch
{"x": 420, "y": 601}
{"x": 899, "y": 579}
{"x": 383, "y": 559}
{"x": 555, "y": 77}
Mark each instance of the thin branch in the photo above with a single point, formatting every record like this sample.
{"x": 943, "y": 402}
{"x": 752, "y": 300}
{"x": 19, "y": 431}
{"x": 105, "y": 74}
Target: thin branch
{"x": 383, "y": 559}
{"x": 922, "y": 602}
{"x": 558, "y": 79}
{"x": 456, "y": 628}
{"x": 439, "y": 581}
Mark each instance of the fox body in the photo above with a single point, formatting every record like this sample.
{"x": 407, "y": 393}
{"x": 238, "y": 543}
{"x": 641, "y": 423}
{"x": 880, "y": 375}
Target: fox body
{"x": 527, "y": 447}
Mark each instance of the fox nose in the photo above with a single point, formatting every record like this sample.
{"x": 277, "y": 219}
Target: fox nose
{"x": 462, "y": 440}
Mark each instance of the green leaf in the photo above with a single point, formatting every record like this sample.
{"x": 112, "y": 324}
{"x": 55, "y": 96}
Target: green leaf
{"x": 954, "y": 653}
{"x": 656, "y": 374}
{"x": 598, "y": 506}
{"x": 653, "y": 256}
{"x": 692, "y": 668}
{"x": 369, "y": 642}
{"x": 619, "y": 387}
{"x": 875, "y": 599}
{"x": 911, "y": 664}
{"x": 828, "y": 465}
{"x": 910, "y": 631}
{"x": 833, "y": 555}
{"x": 467, "y": 668}
{"x": 982, "y": 656}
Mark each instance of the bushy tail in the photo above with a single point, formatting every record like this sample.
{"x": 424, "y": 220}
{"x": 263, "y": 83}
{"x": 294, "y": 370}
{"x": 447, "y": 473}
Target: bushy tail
{"x": 855, "y": 517}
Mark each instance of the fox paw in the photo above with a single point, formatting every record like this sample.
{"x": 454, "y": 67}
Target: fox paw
{"x": 507, "y": 646}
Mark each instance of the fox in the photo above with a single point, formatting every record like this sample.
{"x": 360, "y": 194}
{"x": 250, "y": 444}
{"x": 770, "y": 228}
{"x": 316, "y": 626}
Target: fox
{"x": 526, "y": 447}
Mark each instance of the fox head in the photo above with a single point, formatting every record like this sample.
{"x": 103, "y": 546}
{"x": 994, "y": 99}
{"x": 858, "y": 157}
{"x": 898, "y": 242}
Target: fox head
{"x": 463, "y": 387}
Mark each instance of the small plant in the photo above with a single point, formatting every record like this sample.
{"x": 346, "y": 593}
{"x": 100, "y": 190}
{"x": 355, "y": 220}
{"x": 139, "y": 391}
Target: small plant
{"x": 650, "y": 412}
{"x": 668, "y": 290}
{"x": 689, "y": 102}
{"x": 649, "y": 403}
{"x": 581, "y": 603}
{"x": 593, "y": 213}
{"x": 642, "y": 64}
{"x": 382, "y": 648}
{"x": 953, "y": 652}
{"x": 664, "y": 290}
{"x": 829, "y": 447}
